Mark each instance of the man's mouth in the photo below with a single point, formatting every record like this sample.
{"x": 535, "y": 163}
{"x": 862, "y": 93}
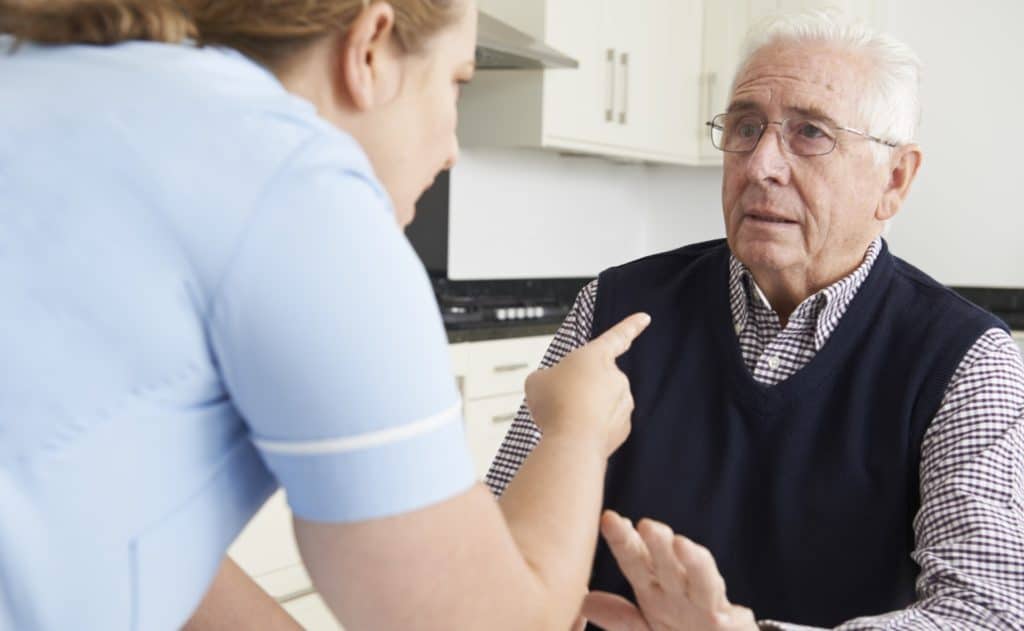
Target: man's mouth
{"x": 768, "y": 217}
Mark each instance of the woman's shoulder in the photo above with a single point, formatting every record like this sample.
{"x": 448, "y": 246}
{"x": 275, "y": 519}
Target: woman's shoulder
{"x": 211, "y": 100}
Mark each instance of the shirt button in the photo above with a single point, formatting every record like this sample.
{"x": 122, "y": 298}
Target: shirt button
{"x": 773, "y": 362}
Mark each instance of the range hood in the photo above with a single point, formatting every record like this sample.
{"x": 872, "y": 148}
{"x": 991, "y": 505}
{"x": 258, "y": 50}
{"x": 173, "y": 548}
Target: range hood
{"x": 500, "y": 46}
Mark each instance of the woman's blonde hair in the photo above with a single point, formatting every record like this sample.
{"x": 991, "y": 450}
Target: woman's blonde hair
{"x": 269, "y": 31}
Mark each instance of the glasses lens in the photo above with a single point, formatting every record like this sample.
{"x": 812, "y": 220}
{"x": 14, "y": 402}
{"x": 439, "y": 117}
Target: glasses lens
{"x": 736, "y": 132}
{"x": 809, "y": 137}
{"x": 717, "y": 128}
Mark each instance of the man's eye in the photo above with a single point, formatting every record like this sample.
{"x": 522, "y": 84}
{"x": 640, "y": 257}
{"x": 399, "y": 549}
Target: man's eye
{"x": 811, "y": 131}
{"x": 747, "y": 130}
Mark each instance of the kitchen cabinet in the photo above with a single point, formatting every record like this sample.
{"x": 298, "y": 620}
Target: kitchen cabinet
{"x": 651, "y": 73}
{"x": 725, "y": 26}
{"x": 631, "y": 98}
{"x": 490, "y": 377}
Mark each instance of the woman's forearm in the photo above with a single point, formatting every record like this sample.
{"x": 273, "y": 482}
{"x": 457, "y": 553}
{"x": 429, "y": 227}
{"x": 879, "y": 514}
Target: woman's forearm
{"x": 553, "y": 508}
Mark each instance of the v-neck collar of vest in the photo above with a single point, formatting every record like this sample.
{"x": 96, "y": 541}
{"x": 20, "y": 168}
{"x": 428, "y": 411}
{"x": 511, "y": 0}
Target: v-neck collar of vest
{"x": 848, "y": 333}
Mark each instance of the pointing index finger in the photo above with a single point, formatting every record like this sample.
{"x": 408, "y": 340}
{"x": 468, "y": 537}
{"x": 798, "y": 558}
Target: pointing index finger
{"x": 619, "y": 338}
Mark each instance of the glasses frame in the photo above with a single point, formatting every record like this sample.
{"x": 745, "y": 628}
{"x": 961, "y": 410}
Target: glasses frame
{"x": 712, "y": 126}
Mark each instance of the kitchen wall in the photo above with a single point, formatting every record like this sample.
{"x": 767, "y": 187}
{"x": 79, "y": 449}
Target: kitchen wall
{"x": 964, "y": 220}
{"x": 536, "y": 214}
{"x": 528, "y": 214}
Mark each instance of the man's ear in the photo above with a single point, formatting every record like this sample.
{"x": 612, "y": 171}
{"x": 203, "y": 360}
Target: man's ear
{"x": 367, "y": 72}
{"x": 903, "y": 167}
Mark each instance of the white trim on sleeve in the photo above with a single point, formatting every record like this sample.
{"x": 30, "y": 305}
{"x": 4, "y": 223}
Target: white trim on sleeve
{"x": 363, "y": 441}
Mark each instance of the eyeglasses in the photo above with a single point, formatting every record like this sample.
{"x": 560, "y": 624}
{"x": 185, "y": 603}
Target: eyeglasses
{"x": 739, "y": 132}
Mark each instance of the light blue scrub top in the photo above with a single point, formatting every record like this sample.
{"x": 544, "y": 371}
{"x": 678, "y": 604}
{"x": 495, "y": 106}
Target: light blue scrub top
{"x": 203, "y": 295}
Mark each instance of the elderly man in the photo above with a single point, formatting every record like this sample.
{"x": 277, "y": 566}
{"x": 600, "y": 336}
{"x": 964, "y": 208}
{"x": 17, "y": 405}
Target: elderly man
{"x": 841, "y": 434}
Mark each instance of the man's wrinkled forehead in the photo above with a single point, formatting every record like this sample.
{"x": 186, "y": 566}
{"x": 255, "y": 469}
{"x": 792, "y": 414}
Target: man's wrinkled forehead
{"x": 762, "y": 100}
{"x": 799, "y": 78}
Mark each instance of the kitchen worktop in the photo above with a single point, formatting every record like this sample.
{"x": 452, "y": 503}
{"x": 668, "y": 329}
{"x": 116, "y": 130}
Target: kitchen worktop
{"x": 500, "y": 332}
{"x": 1008, "y": 304}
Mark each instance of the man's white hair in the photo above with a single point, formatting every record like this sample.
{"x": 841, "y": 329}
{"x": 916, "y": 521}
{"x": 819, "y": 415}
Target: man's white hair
{"x": 890, "y": 107}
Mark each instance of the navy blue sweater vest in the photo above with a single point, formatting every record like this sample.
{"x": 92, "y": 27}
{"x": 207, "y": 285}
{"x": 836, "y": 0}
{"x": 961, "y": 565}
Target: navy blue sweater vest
{"x": 805, "y": 492}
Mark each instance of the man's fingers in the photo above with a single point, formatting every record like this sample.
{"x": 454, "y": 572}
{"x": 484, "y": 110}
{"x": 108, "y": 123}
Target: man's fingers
{"x": 580, "y": 624}
{"x": 613, "y": 612}
{"x": 668, "y": 570}
{"x": 629, "y": 550}
{"x": 619, "y": 338}
{"x": 706, "y": 587}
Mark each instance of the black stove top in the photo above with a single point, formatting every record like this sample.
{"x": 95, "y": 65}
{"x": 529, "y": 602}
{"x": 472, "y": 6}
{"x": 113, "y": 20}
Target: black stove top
{"x": 524, "y": 303}
{"x": 505, "y": 303}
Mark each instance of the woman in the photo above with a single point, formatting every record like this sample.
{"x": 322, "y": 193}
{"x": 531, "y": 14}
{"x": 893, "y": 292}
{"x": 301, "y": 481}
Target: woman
{"x": 207, "y": 294}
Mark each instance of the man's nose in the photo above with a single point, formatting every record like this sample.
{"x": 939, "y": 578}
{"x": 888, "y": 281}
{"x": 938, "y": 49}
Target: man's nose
{"x": 769, "y": 160}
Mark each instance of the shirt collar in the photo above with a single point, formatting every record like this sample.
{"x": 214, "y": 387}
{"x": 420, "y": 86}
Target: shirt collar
{"x": 825, "y": 308}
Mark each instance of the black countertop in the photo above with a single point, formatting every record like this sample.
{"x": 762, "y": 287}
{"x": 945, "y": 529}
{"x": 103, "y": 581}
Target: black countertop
{"x": 501, "y": 332}
{"x": 1007, "y": 304}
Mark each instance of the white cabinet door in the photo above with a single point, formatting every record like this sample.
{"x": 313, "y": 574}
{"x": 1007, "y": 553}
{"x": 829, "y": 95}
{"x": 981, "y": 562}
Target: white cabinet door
{"x": 579, "y": 105}
{"x": 642, "y": 81}
{"x": 501, "y": 366}
{"x": 666, "y": 73}
{"x": 494, "y": 373}
{"x": 605, "y": 105}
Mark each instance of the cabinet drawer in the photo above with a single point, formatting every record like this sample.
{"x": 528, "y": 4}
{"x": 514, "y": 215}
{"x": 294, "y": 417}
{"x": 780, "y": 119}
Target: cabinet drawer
{"x": 487, "y": 422}
{"x": 312, "y": 613}
{"x": 501, "y": 366}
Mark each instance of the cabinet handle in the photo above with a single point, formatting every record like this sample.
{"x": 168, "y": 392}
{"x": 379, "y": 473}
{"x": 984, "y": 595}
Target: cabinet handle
{"x": 609, "y": 111}
{"x": 295, "y": 595}
{"x": 511, "y": 367}
{"x": 503, "y": 418}
{"x": 624, "y": 114}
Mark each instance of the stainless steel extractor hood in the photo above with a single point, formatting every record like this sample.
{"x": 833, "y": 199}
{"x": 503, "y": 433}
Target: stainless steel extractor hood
{"x": 500, "y": 46}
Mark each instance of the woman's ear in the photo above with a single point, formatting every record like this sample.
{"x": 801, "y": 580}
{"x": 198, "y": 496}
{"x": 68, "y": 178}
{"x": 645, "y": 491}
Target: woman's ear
{"x": 903, "y": 169}
{"x": 367, "y": 68}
